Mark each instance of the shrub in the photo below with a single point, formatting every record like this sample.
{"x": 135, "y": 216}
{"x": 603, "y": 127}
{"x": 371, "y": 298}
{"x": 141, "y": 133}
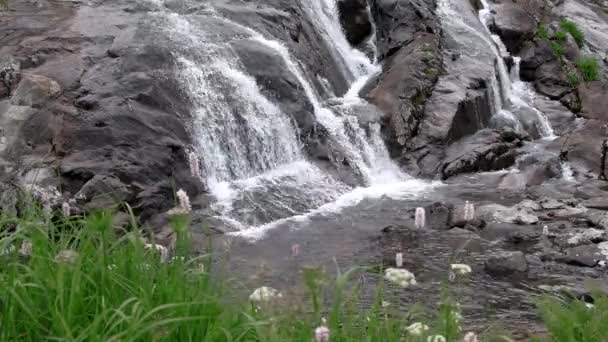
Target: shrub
{"x": 589, "y": 68}
{"x": 561, "y": 36}
{"x": 558, "y": 49}
{"x": 541, "y": 32}
{"x": 576, "y": 321}
{"x": 574, "y": 79}
{"x": 572, "y": 28}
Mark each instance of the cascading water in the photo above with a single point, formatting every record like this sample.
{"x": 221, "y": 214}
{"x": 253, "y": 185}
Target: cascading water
{"x": 249, "y": 149}
{"x": 516, "y": 96}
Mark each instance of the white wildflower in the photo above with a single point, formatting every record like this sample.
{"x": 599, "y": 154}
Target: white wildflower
{"x": 400, "y": 276}
{"x": 322, "y": 332}
{"x": 195, "y": 168}
{"x": 65, "y": 208}
{"x": 420, "y": 218}
{"x": 26, "y": 248}
{"x": 470, "y": 337}
{"x": 589, "y": 305}
{"x": 67, "y": 256}
{"x": 162, "y": 250}
{"x": 399, "y": 259}
{"x": 461, "y": 269}
{"x": 184, "y": 201}
{"x": 177, "y": 211}
{"x": 264, "y": 294}
{"x": 435, "y": 338}
{"x": 295, "y": 250}
{"x": 385, "y": 304}
{"x": 469, "y": 211}
{"x": 417, "y": 329}
{"x": 546, "y": 230}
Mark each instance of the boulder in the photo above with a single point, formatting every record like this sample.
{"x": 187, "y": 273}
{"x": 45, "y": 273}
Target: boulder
{"x": 499, "y": 213}
{"x": 596, "y": 203}
{"x": 534, "y": 53}
{"x": 487, "y": 150}
{"x": 583, "y": 147}
{"x": 594, "y": 100}
{"x": 403, "y": 87}
{"x": 551, "y": 81}
{"x": 586, "y": 255}
{"x": 35, "y": 91}
{"x": 514, "y": 25}
{"x": 506, "y": 263}
{"x": 355, "y": 20}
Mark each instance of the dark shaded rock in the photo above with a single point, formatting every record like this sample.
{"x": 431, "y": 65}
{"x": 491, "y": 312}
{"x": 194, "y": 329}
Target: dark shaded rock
{"x": 514, "y": 25}
{"x": 35, "y": 91}
{"x": 571, "y": 50}
{"x": 534, "y": 53}
{"x": 506, "y": 263}
{"x": 594, "y": 100}
{"x": 438, "y": 216}
{"x": 591, "y": 188}
{"x": 398, "y": 21}
{"x": 512, "y": 233}
{"x": 355, "y": 20}
{"x": 485, "y": 151}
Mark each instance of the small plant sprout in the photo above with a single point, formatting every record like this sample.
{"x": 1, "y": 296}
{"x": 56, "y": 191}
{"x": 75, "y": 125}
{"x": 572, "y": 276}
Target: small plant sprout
{"x": 401, "y": 277}
{"x": 461, "y": 269}
{"x": 399, "y": 260}
{"x": 65, "y": 208}
{"x": 417, "y": 329}
{"x": 295, "y": 250}
{"x": 469, "y": 211}
{"x": 470, "y": 337}
{"x": 264, "y": 294}
{"x": 436, "y": 338}
{"x": 322, "y": 332}
{"x": 195, "y": 168}
{"x": 420, "y": 218}
{"x": 162, "y": 250}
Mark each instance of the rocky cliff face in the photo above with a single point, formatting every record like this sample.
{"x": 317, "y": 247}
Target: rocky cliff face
{"x": 92, "y": 103}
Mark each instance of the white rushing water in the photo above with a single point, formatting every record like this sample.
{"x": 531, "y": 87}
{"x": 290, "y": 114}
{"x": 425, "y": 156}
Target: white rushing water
{"x": 248, "y": 148}
{"x": 516, "y": 96}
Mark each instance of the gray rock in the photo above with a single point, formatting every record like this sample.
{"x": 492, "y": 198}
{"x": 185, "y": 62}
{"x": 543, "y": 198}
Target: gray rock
{"x": 596, "y": 203}
{"x": 551, "y": 204}
{"x": 35, "y": 91}
{"x": 505, "y": 263}
{"x": 594, "y": 100}
{"x": 514, "y": 25}
{"x": 499, "y": 213}
{"x": 487, "y": 150}
{"x": 587, "y": 255}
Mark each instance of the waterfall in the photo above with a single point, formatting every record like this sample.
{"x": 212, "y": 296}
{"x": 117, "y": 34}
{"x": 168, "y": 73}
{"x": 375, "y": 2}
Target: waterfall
{"x": 254, "y": 164}
{"x": 516, "y": 95}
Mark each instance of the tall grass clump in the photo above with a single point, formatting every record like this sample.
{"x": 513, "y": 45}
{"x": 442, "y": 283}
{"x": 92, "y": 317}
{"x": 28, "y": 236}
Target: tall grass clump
{"x": 573, "y": 29}
{"x": 576, "y": 321}
{"x": 589, "y": 68}
{"x": 79, "y": 279}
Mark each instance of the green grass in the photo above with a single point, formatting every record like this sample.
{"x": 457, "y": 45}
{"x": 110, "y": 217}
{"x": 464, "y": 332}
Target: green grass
{"x": 109, "y": 287}
{"x": 114, "y": 289}
{"x": 574, "y": 79}
{"x": 589, "y": 68}
{"x": 572, "y": 28}
{"x": 560, "y": 36}
{"x": 576, "y": 321}
{"x": 542, "y": 32}
{"x": 558, "y": 49}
